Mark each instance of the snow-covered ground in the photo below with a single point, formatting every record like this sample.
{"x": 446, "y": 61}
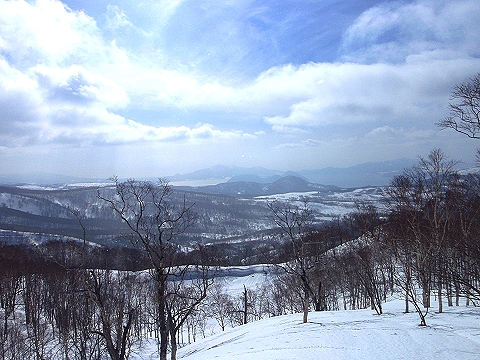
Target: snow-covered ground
{"x": 234, "y": 278}
{"x": 22, "y": 203}
{"x": 329, "y": 205}
{"x": 355, "y": 334}
{"x": 351, "y": 334}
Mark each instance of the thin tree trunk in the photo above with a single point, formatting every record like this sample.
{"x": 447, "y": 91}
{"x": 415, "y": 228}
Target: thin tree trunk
{"x": 450, "y": 294}
{"x": 245, "y": 304}
{"x": 162, "y": 314}
{"x": 174, "y": 347}
{"x": 306, "y": 303}
{"x": 440, "y": 298}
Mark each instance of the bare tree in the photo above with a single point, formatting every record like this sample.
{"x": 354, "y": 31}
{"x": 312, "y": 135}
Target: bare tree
{"x": 155, "y": 223}
{"x": 11, "y": 337}
{"x": 37, "y": 327}
{"x": 116, "y": 310}
{"x": 220, "y": 305}
{"x": 465, "y": 118}
{"x": 421, "y": 215}
{"x": 295, "y": 222}
{"x": 465, "y": 109}
{"x": 370, "y": 258}
{"x": 462, "y": 267}
{"x": 188, "y": 287}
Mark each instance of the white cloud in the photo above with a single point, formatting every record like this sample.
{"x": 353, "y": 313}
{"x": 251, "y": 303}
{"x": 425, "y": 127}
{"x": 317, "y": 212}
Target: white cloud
{"x": 118, "y": 22}
{"x": 54, "y": 105}
{"x": 354, "y": 93}
{"x": 21, "y": 107}
{"x": 44, "y": 32}
{"x": 76, "y": 85}
{"x": 62, "y": 82}
{"x": 165, "y": 8}
{"x": 116, "y": 18}
{"x": 392, "y": 31}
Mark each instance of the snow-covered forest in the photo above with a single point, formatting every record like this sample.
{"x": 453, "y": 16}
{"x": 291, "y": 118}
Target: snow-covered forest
{"x": 414, "y": 250}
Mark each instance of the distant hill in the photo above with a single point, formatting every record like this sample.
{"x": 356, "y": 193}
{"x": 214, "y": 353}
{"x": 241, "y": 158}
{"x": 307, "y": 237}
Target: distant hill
{"x": 283, "y": 185}
{"x": 227, "y": 172}
{"x": 362, "y": 175}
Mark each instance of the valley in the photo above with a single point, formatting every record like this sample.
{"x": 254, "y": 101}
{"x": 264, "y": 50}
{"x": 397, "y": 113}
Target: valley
{"x": 220, "y": 217}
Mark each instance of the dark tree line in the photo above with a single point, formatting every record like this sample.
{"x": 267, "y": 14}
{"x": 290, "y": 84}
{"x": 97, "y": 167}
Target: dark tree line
{"x": 59, "y": 313}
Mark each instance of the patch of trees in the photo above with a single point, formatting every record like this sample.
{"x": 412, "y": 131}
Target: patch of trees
{"x": 180, "y": 284}
{"x": 72, "y": 306}
{"x": 65, "y": 253}
{"x": 72, "y": 314}
{"x": 424, "y": 242}
{"x": 57, "y": 313}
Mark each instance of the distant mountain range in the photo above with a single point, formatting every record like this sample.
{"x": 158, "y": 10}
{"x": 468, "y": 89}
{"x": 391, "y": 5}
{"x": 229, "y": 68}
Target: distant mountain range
{"x": 283, "y": 185}
{"x": 368, "y": 174}
{"x": 225, "y": 173}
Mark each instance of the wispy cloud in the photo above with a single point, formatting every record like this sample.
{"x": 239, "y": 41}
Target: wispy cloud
{"x": 393, "y": 31}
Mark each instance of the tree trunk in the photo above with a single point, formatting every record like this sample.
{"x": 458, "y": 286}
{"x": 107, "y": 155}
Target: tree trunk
{"x": 306, "y": 303}
{"x": 126, "y": 330}
{"x": 426, "y": 294}
{"x": 450, "y": 294}
{"x": 440, "y": 299}
{"x": 162, "y": 313}
{"x": 174, "y": 346}
{"x": 245, "y": 305}
{"x": 318, "y": 300}
{"x": 457, "y": 294}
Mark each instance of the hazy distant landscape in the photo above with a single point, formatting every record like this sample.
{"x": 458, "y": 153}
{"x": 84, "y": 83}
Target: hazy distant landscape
{"x": 69, "y": 231}
{"x": 368, "y": 174}
{"x": 231, "y": 211}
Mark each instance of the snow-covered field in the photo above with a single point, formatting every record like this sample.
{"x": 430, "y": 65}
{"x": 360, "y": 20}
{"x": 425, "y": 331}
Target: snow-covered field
{"x": 351, "y": 334}
{"x": 329, "y": 205}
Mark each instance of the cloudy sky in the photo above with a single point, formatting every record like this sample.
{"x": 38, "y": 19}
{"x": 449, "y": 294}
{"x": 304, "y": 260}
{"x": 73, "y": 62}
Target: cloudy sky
{"x": 155, "y": 87}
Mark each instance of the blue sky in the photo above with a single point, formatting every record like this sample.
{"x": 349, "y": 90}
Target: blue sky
{"x": 152, "y": 88}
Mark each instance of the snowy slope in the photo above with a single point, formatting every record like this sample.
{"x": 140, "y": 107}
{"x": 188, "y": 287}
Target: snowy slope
{"x": 335, "y": 335}
{"x": 358, "y": 334}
